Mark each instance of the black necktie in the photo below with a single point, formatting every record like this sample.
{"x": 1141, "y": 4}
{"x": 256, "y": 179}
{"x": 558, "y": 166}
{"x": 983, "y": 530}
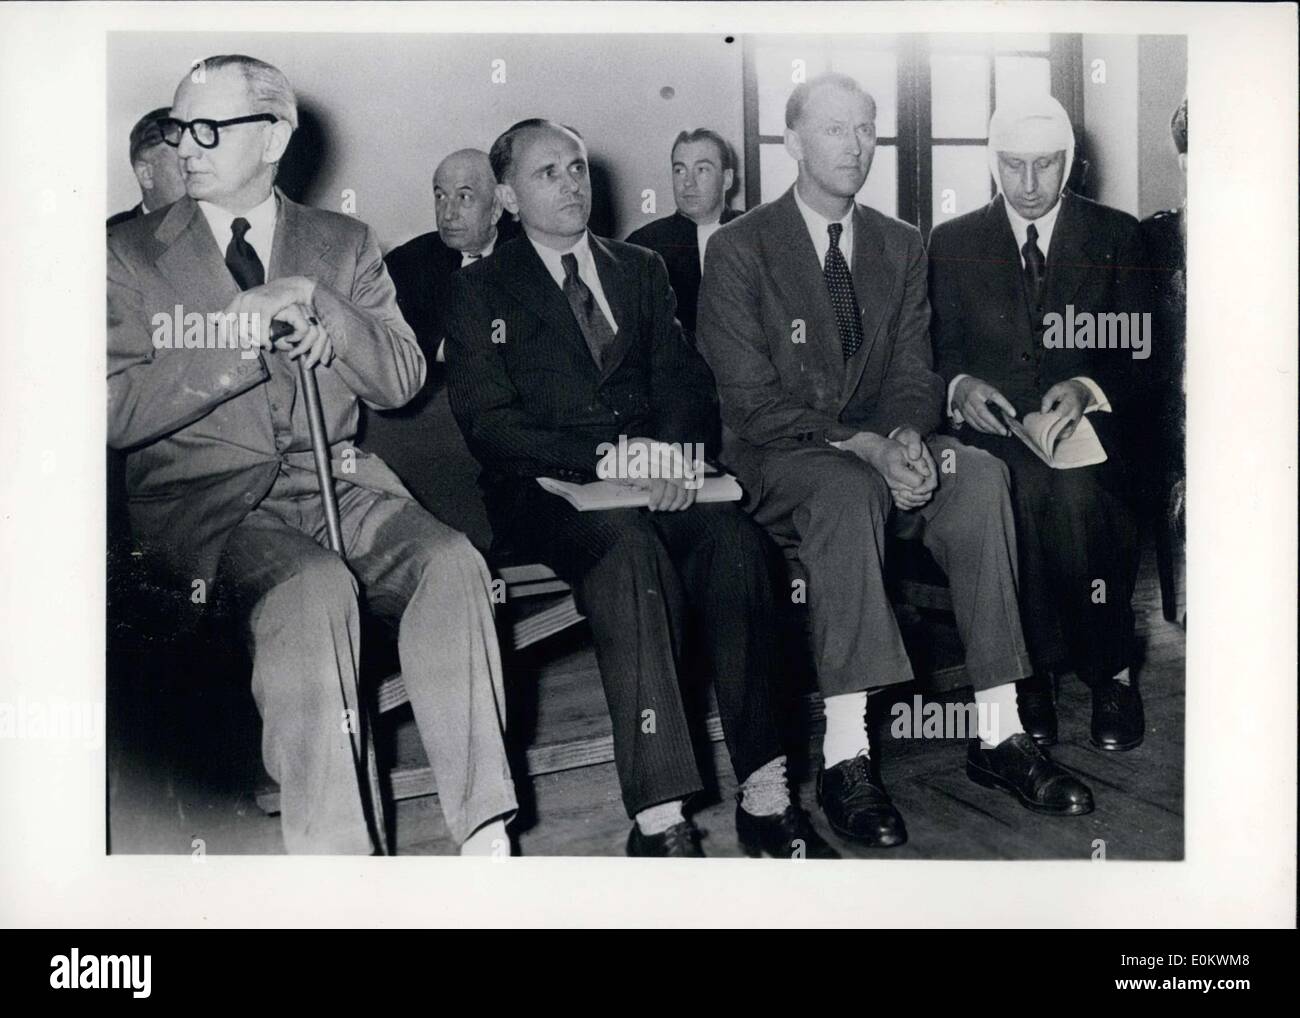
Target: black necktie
{"x": 1035, "y": 265}
{"x": 241, "y": 259}
{"x": 591, "y": 320}
{"x": 848, "y": 316}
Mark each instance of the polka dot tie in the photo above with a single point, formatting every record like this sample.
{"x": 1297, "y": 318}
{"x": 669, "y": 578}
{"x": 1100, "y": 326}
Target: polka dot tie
{"x": 848, "y": 316}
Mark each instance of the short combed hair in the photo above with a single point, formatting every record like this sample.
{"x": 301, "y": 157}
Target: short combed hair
{"x": 799, "y": 97}
{"x": 1178, "y": 127}
{"x": 268, "y": 88}
{"x": 704, "y": 134}
{"x": 146, "y": 134}
{"x": 502, "y": 153}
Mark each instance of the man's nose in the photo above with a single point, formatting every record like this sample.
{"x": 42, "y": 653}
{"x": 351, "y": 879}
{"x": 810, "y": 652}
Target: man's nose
{"x": 188, "y": 146}
{"x": 1031, "y": 179}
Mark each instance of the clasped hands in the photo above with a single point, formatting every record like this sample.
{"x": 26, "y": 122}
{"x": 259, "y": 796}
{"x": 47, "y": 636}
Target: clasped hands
{"x": 287, "y": 300}
{"x": 904, "y": 461}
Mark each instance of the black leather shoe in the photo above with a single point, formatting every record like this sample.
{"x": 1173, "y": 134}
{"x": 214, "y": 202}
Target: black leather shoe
{"x": 788, "y": 835}
{"x": 1018, "y": 766}
{"x": 857, "y": 806}
{"x": 1118, "y": 722}
{"x": 680, "y": 841}
{"x": 1037, "y": 708}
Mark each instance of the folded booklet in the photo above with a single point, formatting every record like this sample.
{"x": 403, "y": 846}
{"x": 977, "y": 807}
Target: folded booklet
{"x": 1042, "y": 434}
{"x": 625, "y": 495}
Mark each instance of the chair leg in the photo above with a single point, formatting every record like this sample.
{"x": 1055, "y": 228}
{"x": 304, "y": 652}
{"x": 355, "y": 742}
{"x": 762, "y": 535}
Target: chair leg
{"x": 1165, "y": 570}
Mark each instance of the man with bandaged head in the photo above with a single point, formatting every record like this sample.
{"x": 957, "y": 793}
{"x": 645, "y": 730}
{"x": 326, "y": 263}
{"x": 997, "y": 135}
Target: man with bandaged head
{"x": 1011, "y": 287}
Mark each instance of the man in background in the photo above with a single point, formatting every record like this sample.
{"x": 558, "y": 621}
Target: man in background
{"x": 155, "y": 165}
{"x": 703, "y": 175}
{"x": 1037, "y": 254}
{"x": 412, "y": 439}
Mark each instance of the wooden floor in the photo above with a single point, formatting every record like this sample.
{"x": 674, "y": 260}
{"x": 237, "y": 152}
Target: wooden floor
{"x": 184, "y": 780}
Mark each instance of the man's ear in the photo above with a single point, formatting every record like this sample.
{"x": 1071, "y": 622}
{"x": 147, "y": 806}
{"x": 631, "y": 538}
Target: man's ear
{"x": 1182, "y": 162}
{"x": 794, "y": 145}
{"x": 506, "y": 196}
{"x": 277, "y": 140}
{"x": 728, "y": 179}
{"x": 497, "y": 207}
{"x": 143, "y": 174}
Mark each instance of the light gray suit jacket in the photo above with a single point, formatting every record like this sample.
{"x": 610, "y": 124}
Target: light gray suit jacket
{"x": 197, "y": 423}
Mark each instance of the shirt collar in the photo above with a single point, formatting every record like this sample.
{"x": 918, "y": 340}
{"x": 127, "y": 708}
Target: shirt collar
{"x": 818, "y": 227}
{"x": 552, "y": 258}
{"x": 467, "y": 259}
{"x": 261, "y": 225}
{"x": 1043, "y": 224}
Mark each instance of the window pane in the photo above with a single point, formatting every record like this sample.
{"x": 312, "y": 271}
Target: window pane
{"x": 959, "y": 96}
{"x": 877, "y": 72}
{"x": 776, "y": 171}
{"x": 961, "y": 180}
{"x": 881, "y": 189}
{"x": 774, "y": 69}
{"x": 1023, "y": 76}
{"x": 952, "y": 42}
{"x": 1040, "y": 41}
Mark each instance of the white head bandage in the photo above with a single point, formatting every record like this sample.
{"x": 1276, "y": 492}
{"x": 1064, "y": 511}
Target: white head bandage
{"x": 1035, "y": 123}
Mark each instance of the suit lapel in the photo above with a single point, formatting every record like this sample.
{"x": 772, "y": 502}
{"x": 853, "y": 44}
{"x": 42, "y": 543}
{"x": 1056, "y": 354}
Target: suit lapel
{"x": 522, "y": 270}
{"x": 191, "y": 259}
{"x": 618, "y": 280}
{"x": 1071, "y": 258}
{"x": 1005, "y": 273}
{"x": 874, "y": 288}
{"x": 299, "y": 248}
{"x": 799, "y": 279}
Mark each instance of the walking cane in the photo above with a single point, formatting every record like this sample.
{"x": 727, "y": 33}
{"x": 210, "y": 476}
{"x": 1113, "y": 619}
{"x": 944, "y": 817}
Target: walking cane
{"x": 329, "y": 498}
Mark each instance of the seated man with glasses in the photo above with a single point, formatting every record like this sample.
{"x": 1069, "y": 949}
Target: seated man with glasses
{"x": 220, "y": 471}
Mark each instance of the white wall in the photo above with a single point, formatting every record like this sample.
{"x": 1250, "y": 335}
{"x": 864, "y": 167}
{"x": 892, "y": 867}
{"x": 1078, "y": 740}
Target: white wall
{"x": 387, "y": 108}
{"x": 1110, "y": 118}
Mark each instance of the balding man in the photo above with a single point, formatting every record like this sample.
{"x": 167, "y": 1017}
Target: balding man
{"x": 469, "y": 219}
{"x": 155, "y": 165}
{"x": 470, "y": 225}
{"x": 221, "y": 477}
{"x": 1037, "y": 254}
{"x": 814, "y": 318}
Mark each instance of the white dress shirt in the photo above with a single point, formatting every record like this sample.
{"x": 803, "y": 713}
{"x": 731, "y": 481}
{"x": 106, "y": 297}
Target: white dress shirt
{"x": 819, "y": 230}
{"x": 586, "y": 271}
{"x": 703, "y": 231}
{"x": 466, "y": 258}
{"x": 261, "y": 227}
{"x": 1045, "y": 225}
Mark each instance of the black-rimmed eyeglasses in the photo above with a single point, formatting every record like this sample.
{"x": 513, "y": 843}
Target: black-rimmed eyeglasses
{"x": 206, "y": 133}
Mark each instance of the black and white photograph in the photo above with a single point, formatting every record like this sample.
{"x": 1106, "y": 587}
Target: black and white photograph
{"x": 608, "y": 434}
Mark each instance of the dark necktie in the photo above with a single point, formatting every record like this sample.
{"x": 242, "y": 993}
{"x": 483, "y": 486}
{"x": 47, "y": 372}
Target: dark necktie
{"x": 591, "y": 320}
{"x": 1035, "y": 266}
{"x": 242, "y": 260}
{"x": 848, "y": 316}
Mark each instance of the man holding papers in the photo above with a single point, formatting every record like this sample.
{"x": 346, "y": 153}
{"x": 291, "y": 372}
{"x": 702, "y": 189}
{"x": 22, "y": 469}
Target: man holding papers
{"x": 561, "y": 349}
{"x": 1037, "y": 310}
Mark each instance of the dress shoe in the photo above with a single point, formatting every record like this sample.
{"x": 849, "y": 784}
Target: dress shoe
{"x": 680, "y": 841}
{"x": 788, "y": 835}
{"x": 857, "y": 806}
{"x": 1018, "y": 766}
{"x": 1117, "y": 719}
{"x": 1037, "y": 708}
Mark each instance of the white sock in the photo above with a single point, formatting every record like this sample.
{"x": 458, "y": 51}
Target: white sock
{"x": 999, "y": 717}
{"x": 766, "y": 793}
{"x": 846, "y": 728}
{"x": 1123, "y": 678}
{"x": 658, "y": 819}
{"x": 490, "y": 839}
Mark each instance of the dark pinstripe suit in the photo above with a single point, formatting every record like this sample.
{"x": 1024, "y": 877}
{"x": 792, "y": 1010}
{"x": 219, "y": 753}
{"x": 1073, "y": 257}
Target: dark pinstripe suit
{"x": 534, "y": 403}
